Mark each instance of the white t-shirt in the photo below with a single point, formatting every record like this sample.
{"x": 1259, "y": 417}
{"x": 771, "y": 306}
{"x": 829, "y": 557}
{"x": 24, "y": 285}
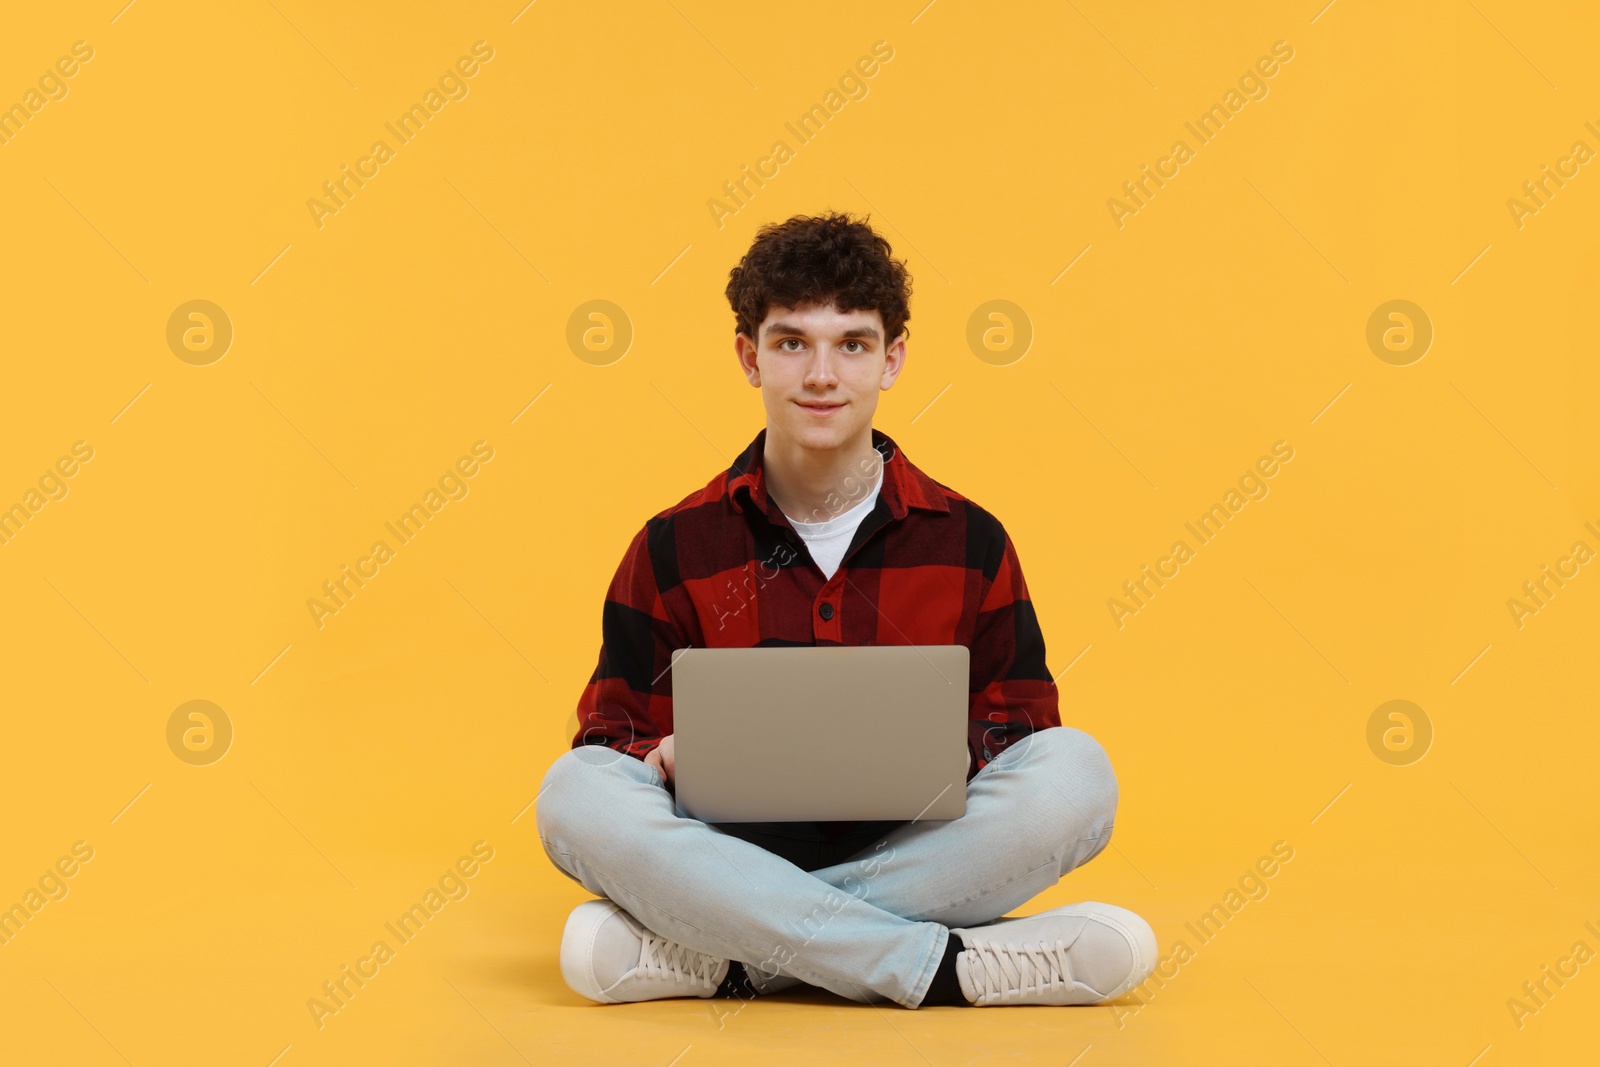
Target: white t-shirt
{"x": 827, "y": 541}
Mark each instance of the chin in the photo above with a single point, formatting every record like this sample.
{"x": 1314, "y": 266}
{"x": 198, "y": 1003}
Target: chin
{"x": 825, "y": 435}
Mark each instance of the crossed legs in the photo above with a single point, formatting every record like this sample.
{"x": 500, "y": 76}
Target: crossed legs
{"x": 871, "y": 928}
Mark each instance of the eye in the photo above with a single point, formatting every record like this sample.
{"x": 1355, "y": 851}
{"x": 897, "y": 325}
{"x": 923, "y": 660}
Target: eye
{"x": 860, "y": 347}
{"x": 785, "y": 341}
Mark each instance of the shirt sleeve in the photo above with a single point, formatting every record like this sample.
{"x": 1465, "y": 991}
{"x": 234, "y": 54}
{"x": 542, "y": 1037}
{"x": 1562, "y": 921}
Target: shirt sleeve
{"x": 1012, "y": 694}
{"x": 627, "y": 703}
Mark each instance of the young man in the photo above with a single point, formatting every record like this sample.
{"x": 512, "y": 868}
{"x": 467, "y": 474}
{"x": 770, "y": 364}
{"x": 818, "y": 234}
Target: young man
{"x": 822, "y": 532}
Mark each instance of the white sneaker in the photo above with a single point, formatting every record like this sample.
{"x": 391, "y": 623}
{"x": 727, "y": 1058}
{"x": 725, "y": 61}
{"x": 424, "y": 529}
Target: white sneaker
{"x": 1080, "y": 954}
{"x": 608, "y": 957}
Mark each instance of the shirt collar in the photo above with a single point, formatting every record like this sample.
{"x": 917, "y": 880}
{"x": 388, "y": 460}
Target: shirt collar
{"x": 904, "y": 485}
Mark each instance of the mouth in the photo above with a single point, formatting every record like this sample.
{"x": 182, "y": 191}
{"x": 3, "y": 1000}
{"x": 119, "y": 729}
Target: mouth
{"x": 819, "y": 410}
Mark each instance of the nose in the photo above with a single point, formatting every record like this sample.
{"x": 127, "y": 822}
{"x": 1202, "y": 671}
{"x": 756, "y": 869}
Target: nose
{"x": 819, "y": 369}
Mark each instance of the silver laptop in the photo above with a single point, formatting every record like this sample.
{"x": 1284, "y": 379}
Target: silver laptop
{"x": 838, "y": 732}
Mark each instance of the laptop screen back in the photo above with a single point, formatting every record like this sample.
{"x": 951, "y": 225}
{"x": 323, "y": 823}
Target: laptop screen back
{"x": 848, "y": 732}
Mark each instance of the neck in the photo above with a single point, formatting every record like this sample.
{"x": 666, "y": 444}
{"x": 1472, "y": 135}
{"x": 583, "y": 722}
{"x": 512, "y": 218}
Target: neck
{"x": 814, "y": 485}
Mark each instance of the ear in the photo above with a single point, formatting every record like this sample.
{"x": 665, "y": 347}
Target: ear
{"x": 894, "y": 362}
{"x": 745, "y": 350}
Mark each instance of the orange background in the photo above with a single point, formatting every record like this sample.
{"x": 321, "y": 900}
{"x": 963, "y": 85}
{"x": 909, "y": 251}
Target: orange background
{"x": 370, "y": 352}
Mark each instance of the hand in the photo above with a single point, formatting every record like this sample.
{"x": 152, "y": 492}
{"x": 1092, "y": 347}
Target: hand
{"x": 664, "y": 759}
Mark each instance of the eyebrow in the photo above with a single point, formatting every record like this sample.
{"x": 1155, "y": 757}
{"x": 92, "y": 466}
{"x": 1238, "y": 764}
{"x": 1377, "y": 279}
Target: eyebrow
{"x": 789, "y": 329}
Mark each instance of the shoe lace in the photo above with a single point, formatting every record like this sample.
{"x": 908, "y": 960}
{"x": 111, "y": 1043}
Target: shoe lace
{"x": 668, "y": 959}
{"x": 1012, "y": 970}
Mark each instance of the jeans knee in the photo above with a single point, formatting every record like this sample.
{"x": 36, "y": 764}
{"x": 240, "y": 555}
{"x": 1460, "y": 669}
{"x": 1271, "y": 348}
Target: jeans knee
{"x": 566, "y": 801}
{"x": 550, "y": 809}
{"x": 1082, "y": 776}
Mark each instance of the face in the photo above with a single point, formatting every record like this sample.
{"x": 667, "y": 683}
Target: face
{"x": 820, "y": 371}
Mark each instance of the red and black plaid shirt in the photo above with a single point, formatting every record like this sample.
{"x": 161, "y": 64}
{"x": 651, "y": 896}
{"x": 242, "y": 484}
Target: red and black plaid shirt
{"x": 724, "y": 568}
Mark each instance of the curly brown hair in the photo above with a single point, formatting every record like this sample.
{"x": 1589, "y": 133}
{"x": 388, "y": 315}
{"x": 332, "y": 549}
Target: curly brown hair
{"x": 820, "y": 259}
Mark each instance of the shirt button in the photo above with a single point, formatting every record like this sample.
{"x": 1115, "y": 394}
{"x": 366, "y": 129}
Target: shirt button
{"x": 826, "y": 611}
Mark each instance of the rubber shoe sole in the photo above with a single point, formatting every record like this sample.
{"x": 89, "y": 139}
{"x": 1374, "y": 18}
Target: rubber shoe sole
{"x": 577, "y": 948}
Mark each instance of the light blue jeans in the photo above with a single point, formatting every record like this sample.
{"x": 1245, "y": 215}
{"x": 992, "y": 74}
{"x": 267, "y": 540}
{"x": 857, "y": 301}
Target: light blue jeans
{"x": 871, "y": 929}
